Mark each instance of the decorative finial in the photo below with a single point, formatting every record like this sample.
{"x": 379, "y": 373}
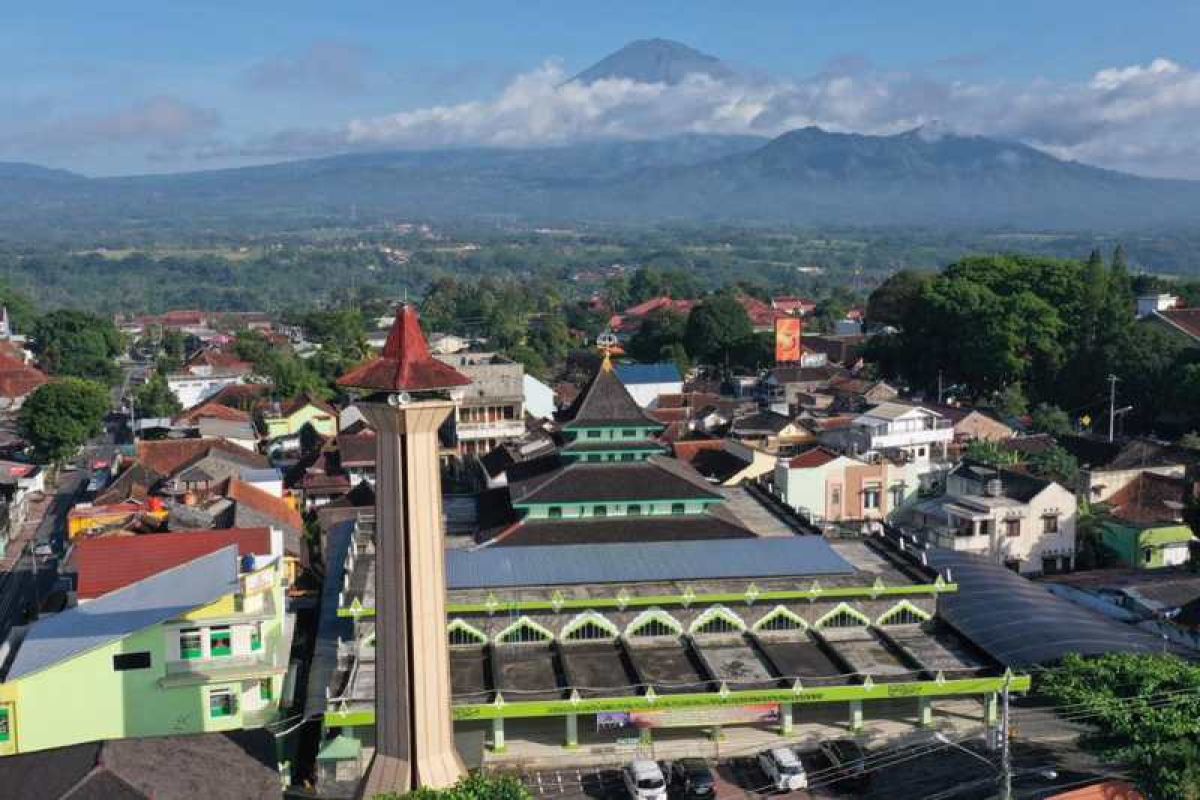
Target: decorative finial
{"x": 606, "y": 342}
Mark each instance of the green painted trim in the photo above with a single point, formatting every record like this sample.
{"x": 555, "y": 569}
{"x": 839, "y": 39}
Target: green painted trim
{"x": 828, "y": 694}
{"x": 746, "y": 598}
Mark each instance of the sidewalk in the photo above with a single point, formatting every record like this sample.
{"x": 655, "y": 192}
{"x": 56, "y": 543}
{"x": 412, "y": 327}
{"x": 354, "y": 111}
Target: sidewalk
{"x": 537, "y": 744}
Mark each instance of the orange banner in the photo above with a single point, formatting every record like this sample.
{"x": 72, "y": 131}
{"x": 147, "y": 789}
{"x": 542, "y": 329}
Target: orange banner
{"x": 788, "y": 334}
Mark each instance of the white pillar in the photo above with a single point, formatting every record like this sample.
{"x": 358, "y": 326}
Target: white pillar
{"x": 785, "y": 719}
{"x": 498, "y": 735}
{"x": 572, "y": 731}
{"x": 856, "y": 715}
{"x": 924, "y": 712}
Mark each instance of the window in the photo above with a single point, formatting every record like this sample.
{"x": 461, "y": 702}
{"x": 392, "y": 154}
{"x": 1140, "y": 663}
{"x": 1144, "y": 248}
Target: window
{"x": 593, "y": 434}
{"x": 590, "y": 631}
{"x": 897, "y": 493}
{"x": 255, "y": 638}
{"x": 627, "y": 456}
{"x": 220, "y": 641}
{"x": 554, "y": 512}
{"x": 264, "y": 689}
{"x": 678, "y": 508}
{"x": 190, "y": 645}
{"x": 1147, "y": 555}
{"x": 524, "y": 631}
{"x": 986, "y": 527}
{"x": 1012, "y": 527}
{"x": 871, "y": 497}
{"x": 594, "y": 457}
{"x": 5, "y": 730}
{"x": 629, "y": 433}
{"x": 634, "y": 510}
{"x": 1050, "y": 523}
{"x": 920, "y": 452}
{"x": 124, "y": 661}
{"x": 221, "y": 703}
{"x": 599, "y": 511}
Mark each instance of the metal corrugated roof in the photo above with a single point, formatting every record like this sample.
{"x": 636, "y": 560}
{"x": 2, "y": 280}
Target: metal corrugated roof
{"x": 560, "y": 565}
{"x": 1020, "y": 623}
{"x": 648, "y": 373}
{"x": 126, "y": 611}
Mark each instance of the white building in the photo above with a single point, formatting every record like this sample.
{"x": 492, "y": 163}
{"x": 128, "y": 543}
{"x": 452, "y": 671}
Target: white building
{"x": 897, "y": 429}
{"x": 1023, "y": 522}
{"x": 646, "y": 382}
{"x": 539, "y": 399}
{"x": 491, "y": 410}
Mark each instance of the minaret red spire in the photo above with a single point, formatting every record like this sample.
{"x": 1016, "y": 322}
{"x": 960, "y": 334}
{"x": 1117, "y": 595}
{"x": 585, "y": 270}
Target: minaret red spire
{"x": 405, "y": 365}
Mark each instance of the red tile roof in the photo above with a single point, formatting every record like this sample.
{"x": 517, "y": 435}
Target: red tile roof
{"x": 791, "y": 305}
{"x": 169, "y": 456}
{"x": 220, "y": 360}
{"x": 761, "y": 315}
{"x": 211, "y": 410}
{"x": 18, "y": 379}
{"x": 687, "y": 451}
{"x": 265, "y": 503}
{"x": 405, "y": 364}
{"x": 1185, "y": 319}
{"x": 816, "y": 457}
{"x": 105, "y": 565}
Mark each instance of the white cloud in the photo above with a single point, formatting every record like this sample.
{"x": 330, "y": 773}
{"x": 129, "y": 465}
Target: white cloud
{"x": 1130, "y": 117}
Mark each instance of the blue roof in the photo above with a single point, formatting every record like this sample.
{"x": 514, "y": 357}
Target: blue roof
{"x": 118, "y": 614}
{"x": 648, "y": 373}
{"x": 560, "y": 565}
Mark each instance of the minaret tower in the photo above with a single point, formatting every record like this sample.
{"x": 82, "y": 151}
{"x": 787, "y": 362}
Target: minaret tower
{"x": 406, "y": 395}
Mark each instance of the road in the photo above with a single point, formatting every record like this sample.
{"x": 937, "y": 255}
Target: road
{"x": 25, "y": 579}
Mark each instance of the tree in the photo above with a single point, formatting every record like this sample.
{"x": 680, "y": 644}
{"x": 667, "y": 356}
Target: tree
{"x": 291, "y": 377}
{"x": 78, "y": 344}
{"x": 1050, "y": 419}
{"x": 473, "y": 787}
{"x": 1056, "y": 464}
{"x": 895, "y": 300}
{"x": 988, "y": 452}
{"x": 1011, "y": 403}
{"x": 1144, "y": 711}
{"x": 658, "y": 335}
{"x": 155, "y": 399}
{"x": 715, "y": 327}
{"x": 61, "y": 416}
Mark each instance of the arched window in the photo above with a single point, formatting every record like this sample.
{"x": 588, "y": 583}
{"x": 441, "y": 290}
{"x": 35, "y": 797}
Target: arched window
{"x": 717, "y": 619}
{"x": 589, "y": 626}
{"x": 653, "y": 622}
{"x": 524, "y": 631}
{"x": 903, "y": 613}
{"x": 780, "y": 619}
{"x": 462, "y": 635}
{"x": 843, "y": 616}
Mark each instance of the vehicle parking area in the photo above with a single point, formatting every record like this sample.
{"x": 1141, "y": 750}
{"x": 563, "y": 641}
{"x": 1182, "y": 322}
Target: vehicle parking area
{"x": 737, "y": 777}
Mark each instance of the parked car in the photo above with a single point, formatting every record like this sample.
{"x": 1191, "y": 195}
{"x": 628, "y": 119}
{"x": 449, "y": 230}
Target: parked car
{"x": 692, "y": 778}
{"x": 849, "y": 762}
{"x": 644, "y": 780}
{"x": 783, "y": 769}
{"x": 43, "y": 550}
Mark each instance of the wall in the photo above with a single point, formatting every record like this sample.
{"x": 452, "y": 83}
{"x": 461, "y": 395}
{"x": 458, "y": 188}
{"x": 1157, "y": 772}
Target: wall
{"x": 1101, "y": 485}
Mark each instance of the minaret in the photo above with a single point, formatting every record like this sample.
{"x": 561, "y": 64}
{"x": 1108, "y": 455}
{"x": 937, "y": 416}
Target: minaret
{"x": 407, "y": 397}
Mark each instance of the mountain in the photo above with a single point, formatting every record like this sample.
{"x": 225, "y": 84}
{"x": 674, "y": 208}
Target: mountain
{"x": 925, "y": 177}
{"x": 17, "y": 170}
{"x": 655, "y": 61}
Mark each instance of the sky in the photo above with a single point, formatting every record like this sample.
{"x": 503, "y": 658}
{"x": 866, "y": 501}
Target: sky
{"x": 166, "y": 86}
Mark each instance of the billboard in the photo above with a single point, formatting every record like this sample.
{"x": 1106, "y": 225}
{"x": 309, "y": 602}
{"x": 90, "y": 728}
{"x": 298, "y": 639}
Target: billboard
{"x": 788, "y": 335}
{"x": 765, "y": 714}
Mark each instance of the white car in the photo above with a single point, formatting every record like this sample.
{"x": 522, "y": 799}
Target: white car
{"x": 645, "y": 781}
{"x": 783, "y": 769}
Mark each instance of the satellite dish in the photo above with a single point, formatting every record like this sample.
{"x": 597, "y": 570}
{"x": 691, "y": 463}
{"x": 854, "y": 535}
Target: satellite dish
{"x": 399, "y": 399}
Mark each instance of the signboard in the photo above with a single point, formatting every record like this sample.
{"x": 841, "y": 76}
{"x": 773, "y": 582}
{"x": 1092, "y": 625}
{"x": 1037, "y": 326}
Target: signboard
{"x": 788, "y": 334}
{"x": 707, "y": 717}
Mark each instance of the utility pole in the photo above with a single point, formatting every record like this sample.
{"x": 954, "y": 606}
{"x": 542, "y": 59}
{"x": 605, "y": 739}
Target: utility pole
{"x": 1005, "y": 749}
{"x": 940, "y": 392}
{"x": 1112, "y": 405}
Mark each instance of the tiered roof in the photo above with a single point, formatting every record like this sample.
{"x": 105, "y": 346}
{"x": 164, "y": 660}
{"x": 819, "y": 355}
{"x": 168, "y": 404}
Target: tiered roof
{"x": 405, "y": 365}
{"x": 606, "y": 403}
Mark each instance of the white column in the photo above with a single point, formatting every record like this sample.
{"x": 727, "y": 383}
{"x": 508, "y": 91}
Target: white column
{"x": 785, "y": 719}
{"x": 856, "y": 715}
{"x": 498, "y": 735}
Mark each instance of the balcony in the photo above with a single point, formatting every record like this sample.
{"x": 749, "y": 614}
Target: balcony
{"x": 938, "y": 431}
{"x": 496, "y": 429}
{"x": 231, "y": 668}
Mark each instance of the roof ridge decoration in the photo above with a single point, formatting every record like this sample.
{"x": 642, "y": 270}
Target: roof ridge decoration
{"x": 405, "y": 364}
{"x": 606, "y": 402}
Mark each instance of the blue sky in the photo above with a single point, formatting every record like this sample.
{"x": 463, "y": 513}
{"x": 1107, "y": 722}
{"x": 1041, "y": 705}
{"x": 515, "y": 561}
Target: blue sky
{"x": 165, "y": 86}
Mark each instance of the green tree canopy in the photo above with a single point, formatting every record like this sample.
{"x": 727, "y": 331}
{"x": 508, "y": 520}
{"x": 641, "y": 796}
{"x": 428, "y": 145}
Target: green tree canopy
{"x": 988, "y": 452}
{"x": 473, "y": 787}
{"x": 716, "y": 327}
{"x": 895, "y": 300}
{"x": 1050, "y": 419}
{"x": 1144, "y": 711}
{"x": 155, "y": 399}
{"x": 1055, "y": 464}
{"x": 61, "y": 416}
{"x": 77, "y": 343}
